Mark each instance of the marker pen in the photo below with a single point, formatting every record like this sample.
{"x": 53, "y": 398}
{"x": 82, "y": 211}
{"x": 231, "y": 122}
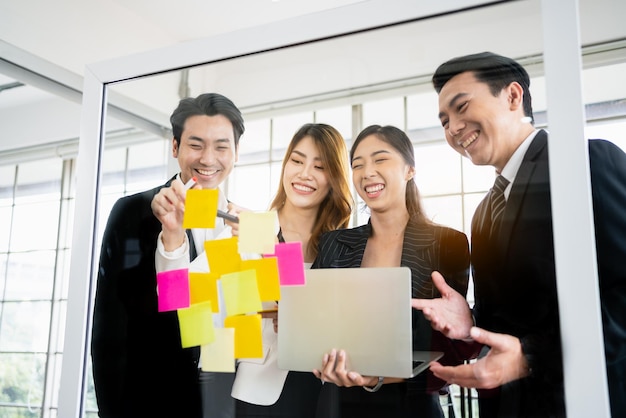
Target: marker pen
{"x": 227, "y": 216}
{"x": 192, "y": 182}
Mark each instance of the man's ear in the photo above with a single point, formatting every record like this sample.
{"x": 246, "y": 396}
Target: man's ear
{"x": 174, "y": 148}
{"x": 515, "y": 94}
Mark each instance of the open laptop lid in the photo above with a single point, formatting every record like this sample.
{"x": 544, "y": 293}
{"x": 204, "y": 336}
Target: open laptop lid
{"x": 364, "y": 311}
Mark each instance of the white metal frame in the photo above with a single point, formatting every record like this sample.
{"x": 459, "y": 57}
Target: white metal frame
{"x": 343, "y": 20}
{"x": 586, "y": 391}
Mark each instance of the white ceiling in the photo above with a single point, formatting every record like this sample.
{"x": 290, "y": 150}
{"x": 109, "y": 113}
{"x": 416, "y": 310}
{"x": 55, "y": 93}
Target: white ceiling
{"x": 72, "y": 33}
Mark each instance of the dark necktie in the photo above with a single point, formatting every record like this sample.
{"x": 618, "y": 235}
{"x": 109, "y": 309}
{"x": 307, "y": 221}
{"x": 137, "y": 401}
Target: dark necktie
{"x": 192, "y": 246}
{"x": 497, "y": 203}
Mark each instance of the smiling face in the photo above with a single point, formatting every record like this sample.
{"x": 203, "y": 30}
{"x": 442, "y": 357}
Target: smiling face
{"x": 479, "y": 125}
{"x": 380, "y": 174}
{"x": 207, "y": 150}
{"x": 304, "y": 176}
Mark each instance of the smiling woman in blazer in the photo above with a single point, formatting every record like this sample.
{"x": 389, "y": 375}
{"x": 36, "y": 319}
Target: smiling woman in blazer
{"x": 398, "y": 234}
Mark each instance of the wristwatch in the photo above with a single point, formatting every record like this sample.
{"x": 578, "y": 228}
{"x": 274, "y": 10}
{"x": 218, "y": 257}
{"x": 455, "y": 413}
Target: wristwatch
{"x": 376, "y": 387}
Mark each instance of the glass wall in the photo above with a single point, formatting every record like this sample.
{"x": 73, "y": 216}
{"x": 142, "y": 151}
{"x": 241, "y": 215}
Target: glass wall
{"x": 36, "y": 213}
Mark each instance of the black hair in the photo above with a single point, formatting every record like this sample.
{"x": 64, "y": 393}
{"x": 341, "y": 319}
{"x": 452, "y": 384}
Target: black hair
{"x": 495, "y": 70}
{"x": 399, "y": 140}
{"x": 209, "y": 104}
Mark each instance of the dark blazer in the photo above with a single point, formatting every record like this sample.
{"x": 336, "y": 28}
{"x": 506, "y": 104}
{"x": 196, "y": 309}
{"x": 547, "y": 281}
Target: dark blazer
{"x": 139, "y": 366}
{"x": 426, "y": 248}
{"x": 515, "y": 281}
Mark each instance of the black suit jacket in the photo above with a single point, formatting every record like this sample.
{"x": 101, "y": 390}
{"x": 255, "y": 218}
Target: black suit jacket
{"x": 139, "y": 365}
{"x": 515, "y": 281}
{"x": 426, "y": 248}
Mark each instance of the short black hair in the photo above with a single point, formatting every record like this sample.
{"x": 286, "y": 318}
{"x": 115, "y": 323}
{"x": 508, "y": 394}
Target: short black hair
{"x": 209, "y": 104}
{"x": 495, "y": 70}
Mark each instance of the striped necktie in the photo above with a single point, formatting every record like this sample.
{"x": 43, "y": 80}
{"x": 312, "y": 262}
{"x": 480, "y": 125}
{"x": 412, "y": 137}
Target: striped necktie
{"x": 192, "y": 246}
{"x": 497, "y": 202}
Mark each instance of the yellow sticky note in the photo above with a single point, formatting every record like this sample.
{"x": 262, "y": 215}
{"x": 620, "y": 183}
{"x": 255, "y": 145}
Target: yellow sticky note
{"x": 200, "y": 208}
{"x": 248, "y": 340}
{"x": 219, "y": 356}
{"x": 257, "y": 232}
{"x": 222, "y": 255}
{"x": 266, "y": 277}
{"x": 241, "y": 292}
{"x": 203, "y": 288}
{"x": 196, "y": 325}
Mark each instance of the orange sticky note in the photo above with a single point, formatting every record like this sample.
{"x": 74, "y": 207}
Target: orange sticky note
{"x": 200, "y": 208}
{"x": 241, "y": 292}
{"x": 266, "y": 277}
{"x": 196, "y": 325}
{"x": 257, "y": 232}
{"x": 248, "y": 340}
{"x": 222, "y": 255}
{"x": 203, "y": 288}
{"x": 219, "y": 356}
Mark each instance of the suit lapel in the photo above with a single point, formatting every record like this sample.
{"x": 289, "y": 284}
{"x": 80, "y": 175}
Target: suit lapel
{"x": 519, "y": 187}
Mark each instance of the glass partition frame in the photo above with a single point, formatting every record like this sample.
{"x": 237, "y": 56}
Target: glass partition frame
{"x": 589, "y": 392}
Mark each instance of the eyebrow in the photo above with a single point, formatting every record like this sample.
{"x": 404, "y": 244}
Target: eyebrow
{"x": 453, "y": 101}
{"x": 198, "y": 139}
{"x": 303, "y": 155}
{"x": 375, "y": 153}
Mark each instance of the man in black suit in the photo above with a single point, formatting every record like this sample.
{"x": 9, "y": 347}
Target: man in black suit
{"x": 485, "y": 110}
{"x": 139, "y": 366}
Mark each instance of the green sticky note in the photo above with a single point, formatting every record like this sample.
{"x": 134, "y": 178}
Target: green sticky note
{"x": 241, "y": 292}
{"x": 196, "y": 325}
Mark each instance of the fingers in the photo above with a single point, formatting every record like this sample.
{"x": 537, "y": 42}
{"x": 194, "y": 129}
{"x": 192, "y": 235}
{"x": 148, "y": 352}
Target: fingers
{"x": 440, "y": 284}
{"x": 462, "y": 375}
{"x": 421, "y": 304}
{"x": 491, "y": 339}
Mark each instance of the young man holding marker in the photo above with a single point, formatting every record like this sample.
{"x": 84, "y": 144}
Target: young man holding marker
{"x": 139, "y": 365}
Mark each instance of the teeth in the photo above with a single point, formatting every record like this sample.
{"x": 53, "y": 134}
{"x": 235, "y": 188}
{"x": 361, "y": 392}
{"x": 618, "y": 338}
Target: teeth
{"x": 303, "y": 188}
{"x": 375, "y": 188}
{"x": 469, "y": 140}
{"x": 207, "y": 172}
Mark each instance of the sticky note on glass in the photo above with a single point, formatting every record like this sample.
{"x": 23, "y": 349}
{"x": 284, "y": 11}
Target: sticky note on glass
{"x": 257, "y": 232}
{"x": 241, "y": 292}
{"x": 219, "y": 356}
{"x": 173, "y": 290}
{"x": 203, "y": 288}
{"x": 266, "y": 277}
{"x": 223, "y": 255}
{"x": 248, "y": 340}
{"x": 200, "y": 208}
{"x": 196, "y": 325}
{"x": 290, "y": 263}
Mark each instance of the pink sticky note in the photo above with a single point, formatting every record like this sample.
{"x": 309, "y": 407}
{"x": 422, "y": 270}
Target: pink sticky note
{"x": 173, "y": 289}
{"x": 290, "y": 263}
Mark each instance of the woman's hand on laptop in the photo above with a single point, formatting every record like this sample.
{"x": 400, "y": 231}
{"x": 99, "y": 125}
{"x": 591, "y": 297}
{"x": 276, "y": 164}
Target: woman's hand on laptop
{"x": 334, "y": 370}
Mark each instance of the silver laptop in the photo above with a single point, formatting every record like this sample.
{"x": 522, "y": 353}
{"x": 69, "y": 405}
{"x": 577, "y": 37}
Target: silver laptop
{"x": 364, "y": 311}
